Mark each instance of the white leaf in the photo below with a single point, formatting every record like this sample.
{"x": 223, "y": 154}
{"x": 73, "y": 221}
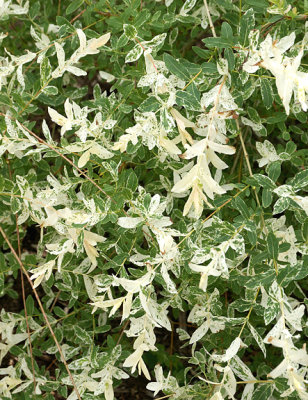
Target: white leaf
{"x": 248, "y": 391}
{"x": 258, "y": 339}
{"x": 199, "y": 333}
{"x": 230, "y": 352}
{"x": 286, "y": 42}
{"x": 56, "y": 117}
{"x": 94, "y": 44}
{"x": 60, "y": 55}
{"x": 84, "y": 159}
{"x": 129, "y": 222}
{"x": 105, "y": 75}
{"x": 101, "y": 152}
{"x": 90, "y": 287}
{"x": 82, "y": 38}
{"x": 76, "y": 71}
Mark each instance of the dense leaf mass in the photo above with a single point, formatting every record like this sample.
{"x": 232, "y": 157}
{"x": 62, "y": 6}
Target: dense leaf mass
{"x": 153, "y": 208}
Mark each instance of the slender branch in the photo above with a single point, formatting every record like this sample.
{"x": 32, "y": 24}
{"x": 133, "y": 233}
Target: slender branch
{"x": 77, "y": 16}
{"x": 122, "y": 331}
{"x": 165, "y": 397}
{"x": 192, "y": 79}
{"x": 42, "y": 309}
{"x": 209, "y": 18}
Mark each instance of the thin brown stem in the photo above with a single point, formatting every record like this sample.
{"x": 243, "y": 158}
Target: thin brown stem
{"x": 55, "y": 301}
{"x": 122, "y": 331}
{"x": 77, "y": 16}
{"x": 209, "y": 18}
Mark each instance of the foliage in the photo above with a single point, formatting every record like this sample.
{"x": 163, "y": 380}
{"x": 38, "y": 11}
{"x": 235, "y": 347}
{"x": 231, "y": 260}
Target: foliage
{"x": 153, "y": 212}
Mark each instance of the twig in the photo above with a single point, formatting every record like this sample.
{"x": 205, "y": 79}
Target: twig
{"x": 55, "y": 300}
{"x": 42, "y": 309}
{"x": 77, "y": 16}
{"x": 165, "y": 397}
{"x": 122, "y": 331}
{"x": 192, "y": 79}
{"x": 209, "y": 18}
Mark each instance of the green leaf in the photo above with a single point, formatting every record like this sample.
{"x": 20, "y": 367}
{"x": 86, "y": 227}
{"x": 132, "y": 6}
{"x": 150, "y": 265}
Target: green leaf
{"x": 82, "y": 336}
{"x": 150, "y": 104}
{"x": 34, "y": 10}
{"x": 187, "y": 100}
{"x": 3, "y": 266}
{"x": 274, "y": 170}
{"x": 253, "y": 115}
{"x": 132, "y": 181}
{"x": 50, "y": 90}
{"x": 229, "y": 55}
{"x": 142, "y": 18}
{"x": 276, "y": 118}
{"x": 266, "y": 93}
{"x": 241, "y": 305}
{"x": 264, "y": 181}
{"x": 272, "y": 246}
{"x": 263, "y": 392}
{"x": 291, "y": 147}
{"x": 241, "y": 206}
{"x": 219, "y": 42}
{"x": 246, "y": 25}
{"x": 226, "y": 31}
{"x": 205, "y": 54}
{"x": 300, "y": 181}
{"x": 73, "y": 6}
{"x": 176, "y": 68}
{"x": 30, "y": 305}
{"x": 4, "y": 99}
{"x": 209, "y": 68}
{"x": 267, "y": 197}
{"x": 259, "y": 6}
{"x": 122, "y": 41}
{"x": 263, "y": 279}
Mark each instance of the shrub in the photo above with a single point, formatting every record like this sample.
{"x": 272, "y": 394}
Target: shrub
{"x": 153, "y": 210}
